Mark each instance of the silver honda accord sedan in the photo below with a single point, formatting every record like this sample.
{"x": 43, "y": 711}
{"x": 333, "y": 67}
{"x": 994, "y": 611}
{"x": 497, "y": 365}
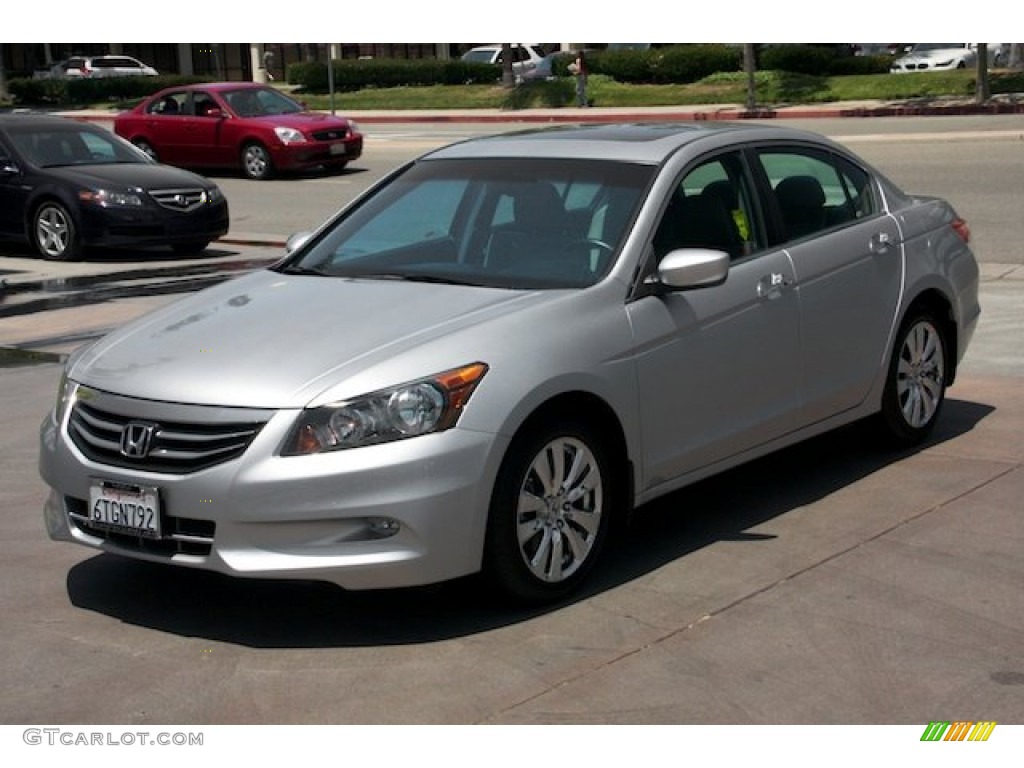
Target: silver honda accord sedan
{"x": 491, "y": 357}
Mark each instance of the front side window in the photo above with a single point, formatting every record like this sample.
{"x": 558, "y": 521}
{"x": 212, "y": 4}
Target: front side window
{"x": 170, "y": 104}
{"x": 816, "y": 191}
{"x": 712, "y": 207}
{"x": 494, "y": 222}
{"x": 257, "y": 102}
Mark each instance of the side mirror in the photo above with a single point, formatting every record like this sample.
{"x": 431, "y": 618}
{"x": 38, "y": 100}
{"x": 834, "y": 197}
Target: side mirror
{"x": 7, "y": 166}
{"x": 296, "y": 241}
{"x": 693, "y": 268}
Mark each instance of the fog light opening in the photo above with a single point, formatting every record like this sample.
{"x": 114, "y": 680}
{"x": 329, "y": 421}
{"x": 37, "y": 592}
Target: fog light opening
{"x": 383, "y": 527}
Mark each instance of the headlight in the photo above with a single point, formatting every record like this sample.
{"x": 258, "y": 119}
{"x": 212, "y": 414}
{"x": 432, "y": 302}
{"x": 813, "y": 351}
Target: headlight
{"x": 109, "y": 198}
{"x": 213, "y": 194}
{"x": 432, "y": 404}
{"x": 945, "y": 63}
{"x": 353, "y": 126}
{"x": 289, "y": 135}
{"x": 65, "y": 394}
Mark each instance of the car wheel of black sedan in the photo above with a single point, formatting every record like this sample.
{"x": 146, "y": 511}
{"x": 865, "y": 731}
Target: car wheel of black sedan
{"x": 550, "y": 511}
{"x": 916, "y": 384}
{"x": 256, "y": 163}
{"x": 54, "y": 233}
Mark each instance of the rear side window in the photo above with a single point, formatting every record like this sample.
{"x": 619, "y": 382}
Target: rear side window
{"x": 816, "y": 191}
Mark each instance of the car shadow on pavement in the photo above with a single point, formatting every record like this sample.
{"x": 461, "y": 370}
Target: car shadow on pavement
{"x": 292, "y": 614}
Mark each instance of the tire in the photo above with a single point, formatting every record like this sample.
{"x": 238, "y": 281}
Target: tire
{"x": 550, "y": 512}
{"x": 256, "y": 163}
{"x": 197, "y": 247}
{"x": 915, "y": 388}
{"x": 54, "y": 233}
{"x": 148, "y": 148}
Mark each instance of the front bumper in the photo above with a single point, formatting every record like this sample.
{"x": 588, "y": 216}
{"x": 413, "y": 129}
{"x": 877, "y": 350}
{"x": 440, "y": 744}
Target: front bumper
{"x": 307, "y": 517}
{"x": 152, "y": 225}
{"x": 311, "y": 154}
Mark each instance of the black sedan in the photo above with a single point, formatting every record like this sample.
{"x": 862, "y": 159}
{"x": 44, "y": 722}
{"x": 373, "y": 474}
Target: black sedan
{"x": 65, "y": 185}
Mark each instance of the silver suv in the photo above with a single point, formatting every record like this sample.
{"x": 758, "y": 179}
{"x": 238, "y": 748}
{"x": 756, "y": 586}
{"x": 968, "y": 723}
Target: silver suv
{"x": 101, "y": 66}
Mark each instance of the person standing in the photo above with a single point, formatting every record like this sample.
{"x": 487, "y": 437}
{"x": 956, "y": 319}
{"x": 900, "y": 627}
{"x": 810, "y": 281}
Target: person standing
{"x": 578, "y": 68}
{"x": 268, "y": 63}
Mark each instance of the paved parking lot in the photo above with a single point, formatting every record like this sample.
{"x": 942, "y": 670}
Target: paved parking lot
{"x": 835, "y": 582}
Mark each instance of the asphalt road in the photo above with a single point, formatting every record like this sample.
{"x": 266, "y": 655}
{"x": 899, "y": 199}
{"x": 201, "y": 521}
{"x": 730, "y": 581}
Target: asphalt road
{"x": 834, "y": 582}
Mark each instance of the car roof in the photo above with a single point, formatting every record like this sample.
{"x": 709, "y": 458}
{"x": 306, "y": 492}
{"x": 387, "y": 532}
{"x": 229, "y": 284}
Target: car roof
{"x": 224, "y": 86}
{"x": 43, "y": 122}
{"x": 647, "y": 143}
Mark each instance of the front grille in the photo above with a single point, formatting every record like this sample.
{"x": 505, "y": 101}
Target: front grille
{"x": 181, "y": 535}
{"x": 179, "y": 199}
{"x": 174, "y": 447}
{"x": 331, "y": 135}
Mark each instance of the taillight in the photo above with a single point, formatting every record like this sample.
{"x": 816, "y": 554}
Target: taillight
{"x": 961, "y": 228}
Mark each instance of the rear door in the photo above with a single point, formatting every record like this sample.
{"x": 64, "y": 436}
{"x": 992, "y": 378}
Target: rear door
{"x": 165, "y": 127}
{"x": 847, "y": 256}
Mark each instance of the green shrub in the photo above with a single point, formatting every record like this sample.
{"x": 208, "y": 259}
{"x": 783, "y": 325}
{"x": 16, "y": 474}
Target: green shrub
{"x": 877, "y": 64}
{"x": 624, "y": 66}
{"x": 85, "y": 91}
{"x": 689, "y": 63}
{"x": 801, "y": 59}
{"x": 356, "y": 74}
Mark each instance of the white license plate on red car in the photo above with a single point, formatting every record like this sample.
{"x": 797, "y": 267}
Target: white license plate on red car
{"x": 338, "y": 149}
{"x": 125, "y": 508}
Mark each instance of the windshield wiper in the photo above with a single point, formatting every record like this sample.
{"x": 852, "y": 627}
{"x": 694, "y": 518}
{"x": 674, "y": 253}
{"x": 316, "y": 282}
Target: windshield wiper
{"x": 298, "y": 269}
{"x": 412, "y": 277}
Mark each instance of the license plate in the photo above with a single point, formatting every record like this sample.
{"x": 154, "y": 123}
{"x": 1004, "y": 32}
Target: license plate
{"x": 125, "y": 508}
{"x": 337, "y": 149}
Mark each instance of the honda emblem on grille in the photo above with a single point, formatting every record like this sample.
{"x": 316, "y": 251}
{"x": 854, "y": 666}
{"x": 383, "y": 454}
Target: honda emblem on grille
{"x": 136, "y": 438}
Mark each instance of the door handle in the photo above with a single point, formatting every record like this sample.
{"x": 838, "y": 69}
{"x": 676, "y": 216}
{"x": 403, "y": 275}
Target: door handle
{"x": 879, "y": 242}
{"x": 771, "y": 286}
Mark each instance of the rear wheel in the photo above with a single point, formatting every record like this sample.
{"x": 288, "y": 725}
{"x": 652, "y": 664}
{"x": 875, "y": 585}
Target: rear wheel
{"x": 550, "y": 511}
{"x": 916, "y": 385}
{"x": 54, "y": 233}
{"x": 256, "y": 163}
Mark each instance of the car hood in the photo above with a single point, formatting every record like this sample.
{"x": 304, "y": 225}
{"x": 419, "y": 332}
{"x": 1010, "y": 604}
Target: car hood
{"x": 128, "y": 176}
{"x": 270, "y": 340}
{"x": 937, "y": 54}
{"x": 308, "y": 121}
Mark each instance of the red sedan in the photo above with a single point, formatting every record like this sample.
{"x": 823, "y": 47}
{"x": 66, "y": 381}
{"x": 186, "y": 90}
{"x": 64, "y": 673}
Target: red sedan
{"x": 238, "y": 125}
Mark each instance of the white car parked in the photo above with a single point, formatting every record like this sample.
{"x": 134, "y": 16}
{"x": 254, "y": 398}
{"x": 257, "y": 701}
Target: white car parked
{"x": 525, "y": 57}
{"x": 936, "y": 57}
{"x": 101, "y": 66}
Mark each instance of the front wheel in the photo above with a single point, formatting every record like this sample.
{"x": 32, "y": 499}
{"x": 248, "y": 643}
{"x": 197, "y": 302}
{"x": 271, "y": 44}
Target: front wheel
{"x": 55, "y": 235}
{"x": 916, "y": 385}
{"x": 256, "y": 163}
{"x": 550, "y": 511}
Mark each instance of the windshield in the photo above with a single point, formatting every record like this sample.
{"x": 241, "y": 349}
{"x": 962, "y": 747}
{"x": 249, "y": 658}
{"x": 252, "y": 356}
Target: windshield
{"x": 513, "y": 223}
{"x": 72, "y": 145}
{"x": 256, "y": 102}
